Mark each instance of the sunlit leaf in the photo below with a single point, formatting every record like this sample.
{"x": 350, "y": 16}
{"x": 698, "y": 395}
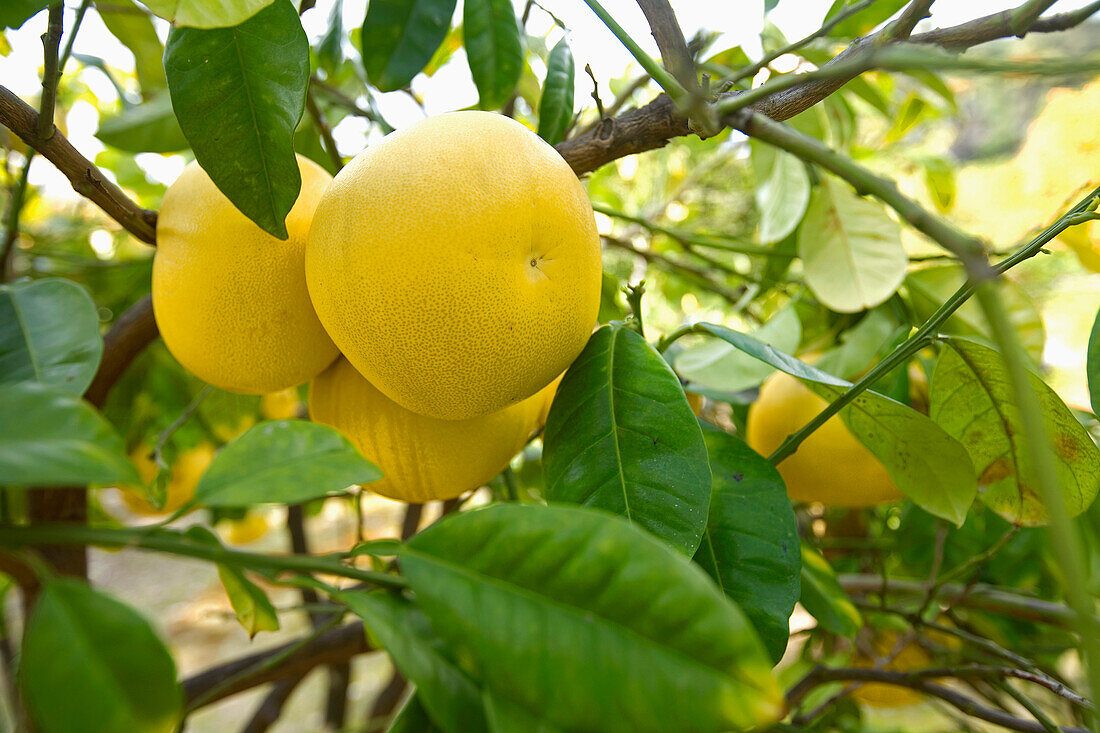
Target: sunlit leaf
{"x": 750, "y": 547}
{"x": 824, "y": 599}
{"x": 283, "y": 461}
{"x": 493, "y": 49}
{"x": 864, "y": 21}
{"x": 208, "y": 13}
{"x": 927, "y": 464}
{"x": 399, "y": 37}
{"x": 782, "y": 192}
{"x": 621, "y": 436}
{"x": 130, "y": 24}
{"x": 243, "y": 89}
{"x": 939, "y": 179}
{"x": 49, "y": 334}
{"x": 580, "y": 617}
{"x": 972, "y": 399}
{"x": 90, "y": 663}
{"x": 930, "y": 287}
{"x": 851, "y": 250}
{"x": 53, "y": 438}
{"x": 717, "y": 365}
{"x": 452, "y": 700}
{"x": 556, "y": 104}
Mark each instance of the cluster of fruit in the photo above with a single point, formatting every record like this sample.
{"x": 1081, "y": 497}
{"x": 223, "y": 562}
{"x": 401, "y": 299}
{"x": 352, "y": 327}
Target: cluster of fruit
{"x": 433, "y": 291}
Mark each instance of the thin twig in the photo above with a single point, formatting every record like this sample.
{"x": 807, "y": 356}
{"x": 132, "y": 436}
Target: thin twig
{"x": 11, "y": 216}
{"x": 51, "y": 42}
{"x": 326, "y": 131}
{"x": 902, "y": 28}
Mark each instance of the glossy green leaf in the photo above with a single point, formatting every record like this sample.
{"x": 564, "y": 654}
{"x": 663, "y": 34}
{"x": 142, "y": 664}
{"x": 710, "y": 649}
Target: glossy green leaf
{"x": 413, "y": 718}
{"x": 1092, "y": 365}
{"x": 493, "y": 49}
{"x": 252, "y": 606}
{"x": 14, "y": 13}
{"x": 580, "y": 617}
{"x": 207, "y": 13}
{"x": 717, "y": 365}
{"x": 53, "y": 438}
{"x": 930, "y": 287}
{"x": 782, "y": 192}
{"x": 863, "y": 22}
{"x": 150, "y": 127}
{"x": 556, "y": 103}
{"x": 49, "y": 334}
{"x": 927, "y": 464}
{"x": 283, "y": 461}
{"x": 90, "y": 663}
{"x": 507, "y": 717}
{"x": 859, "y": 346}
{"x": 824, "y": 599}
{"x": 399, "y": 37}
{"x": 449, "y": 696}
{"x": 243, "y": 89}
{"x": 621, "y": 436}
{"x": 129, "y": 24}
{"x": 973, "y": 400}
{"x": 851, "y": 251}
{"x": 751, "y": 544}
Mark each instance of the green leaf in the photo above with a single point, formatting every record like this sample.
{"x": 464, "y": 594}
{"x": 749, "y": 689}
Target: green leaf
{"x": 129, "y": 24}
{"x": 49, "y": 333}
{"x": 873, "y": 336}
{"x": 14, "y": 13}
{"x": 782, "y": 192}
{"x": 493, "y": 49}
{"x": 930, "y": 287}
{"x": 449, "y": 696}
{"x": 207, "y": 13}
{"x": 824, "y": 599}
{"x": 588, "y": 621}
{"x": 751, "y": 544}
{"x": 330, "y": 51}
{"x": 150, "y": 127}
{"x": 252, "y": 606}
{"x": 283, "y": 461}
{"x": 507, "y": 717}
{"x": 413, "y": 718}
{"x": 57, "y": 439}
{"x": 399, "y": 38}
{"x": 863, "y": 22}
{"x": 556, "y": 103}
{"x": 911, "y": 112}
{"x": 90, "y": 663}
{"x": 621, "y": 436}
{"x": 1092, "y": 367}
{"x": 851, "y": 251}
{"x": 377, "y": 548}
{"x": 973, "y": 400}
{"x": 717, "y": 365}
{"x": 927, "y": 464}
{"x": 939, "y": 179}
{"x": 243, "y": 89}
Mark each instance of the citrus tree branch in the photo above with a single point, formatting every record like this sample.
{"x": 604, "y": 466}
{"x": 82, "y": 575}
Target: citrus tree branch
{"x": 670, "y": 40}
{"x": 914, "y": 13}
{"x": 51, "y": 42}
{"x": 85, "y": 177}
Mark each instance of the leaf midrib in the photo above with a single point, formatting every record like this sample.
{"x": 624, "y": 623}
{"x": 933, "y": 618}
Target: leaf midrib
{"x": 615, "y": 421}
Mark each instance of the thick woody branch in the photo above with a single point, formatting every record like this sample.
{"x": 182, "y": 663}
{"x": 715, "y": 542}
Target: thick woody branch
{"x": 332, "y": 647}
{"x": 670, "y": 40}
{"x": 133, "y": 331}
{"x": 86, "y": 179}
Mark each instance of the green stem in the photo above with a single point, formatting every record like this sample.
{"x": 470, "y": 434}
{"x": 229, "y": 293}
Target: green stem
{"x": 11, "y": 217}
{"x": 699, "y": 240}
{"x": 654, "y": 69}
{"x": 178, "y": 543}
{"x": 1064, "y": 536}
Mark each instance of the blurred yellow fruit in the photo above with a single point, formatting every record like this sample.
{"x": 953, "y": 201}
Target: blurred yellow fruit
{"x": 695, "y": 401}
{"x": 911, "y": 657}
{"x": 456, "y": 264}
{"x": 830, "y": 466}
{"x": 282, "y": 405}
{"x": 1084, "y": 240}
{"x": 226, "y": 433}
{"x": 243, "y": 531}
{"x": 186, "y": 472}
{"x": 230, "y": 299}
{"x": 422, "y": 458}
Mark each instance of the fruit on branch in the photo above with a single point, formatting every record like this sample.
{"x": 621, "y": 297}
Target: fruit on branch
{"x": 186, "y": 472}
{"x": 456, "y": 264}
{"x": 830, "y": 466}
{"x": 422, "y": 458}
{"x": 231, "y": 300}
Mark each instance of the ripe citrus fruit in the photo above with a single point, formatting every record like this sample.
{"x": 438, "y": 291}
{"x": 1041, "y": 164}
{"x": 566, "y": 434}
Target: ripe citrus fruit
{"x": 230, "y": 299}
{"x": 422, "y": 458}
{"x": 282, "y": 405}
{"x": 456, "y": 264}
{"x": 246, "y": 530}
{"x": 911, "y": 657}
{"x": 830, "y": 466}
{"x": 186, "y": 472}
